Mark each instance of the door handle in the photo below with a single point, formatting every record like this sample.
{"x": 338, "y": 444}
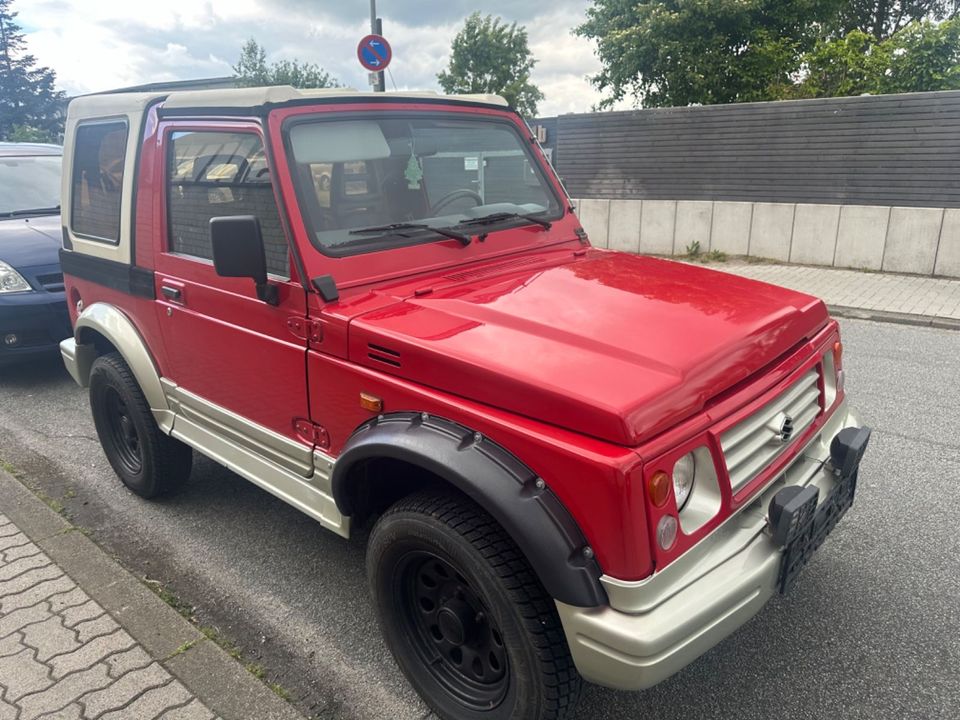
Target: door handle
{"x": 171, "y": 293}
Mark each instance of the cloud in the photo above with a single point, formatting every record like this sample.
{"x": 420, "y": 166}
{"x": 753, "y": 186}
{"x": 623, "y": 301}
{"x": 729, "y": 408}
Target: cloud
{"x": 95, "y": 45}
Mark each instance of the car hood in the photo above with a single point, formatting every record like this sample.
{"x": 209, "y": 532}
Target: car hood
{"x": 29, "y": 242}
{"x": 615, "y": 346}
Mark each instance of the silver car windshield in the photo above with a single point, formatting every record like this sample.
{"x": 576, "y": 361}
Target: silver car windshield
{"x": 366, "y": 184}
{"x": 29, "y": 182}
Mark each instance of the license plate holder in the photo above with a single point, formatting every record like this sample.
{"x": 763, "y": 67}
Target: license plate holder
{"x": 808, "y": 538}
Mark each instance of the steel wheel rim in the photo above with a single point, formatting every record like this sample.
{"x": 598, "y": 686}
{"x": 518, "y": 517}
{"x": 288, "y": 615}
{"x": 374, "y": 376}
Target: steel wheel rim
{"x": 123, "y": 432}
{"x": 452, "y": 631}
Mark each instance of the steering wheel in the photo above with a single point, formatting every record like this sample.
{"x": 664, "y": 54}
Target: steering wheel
{"x": 455, "y": 195}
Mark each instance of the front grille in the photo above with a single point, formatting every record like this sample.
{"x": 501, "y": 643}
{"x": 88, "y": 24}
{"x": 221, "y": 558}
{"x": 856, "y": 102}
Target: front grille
{"x": 755, "y": 442}
{"x": 51, "y": 282}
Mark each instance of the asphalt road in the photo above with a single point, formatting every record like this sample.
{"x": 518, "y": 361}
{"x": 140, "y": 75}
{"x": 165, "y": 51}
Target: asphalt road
{"x": 871, "y": 630}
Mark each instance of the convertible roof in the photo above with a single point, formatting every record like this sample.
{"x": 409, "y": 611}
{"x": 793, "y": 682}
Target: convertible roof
{"x": 119, "y": 103}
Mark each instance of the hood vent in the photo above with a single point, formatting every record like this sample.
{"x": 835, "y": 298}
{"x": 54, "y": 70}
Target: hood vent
{"x": 492, "y": 269}
{"x": 383, "y": 355}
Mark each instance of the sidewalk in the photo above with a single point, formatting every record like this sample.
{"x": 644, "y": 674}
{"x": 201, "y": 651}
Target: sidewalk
{"x": 82, "y": 639}
{"x": 910, "y": 299}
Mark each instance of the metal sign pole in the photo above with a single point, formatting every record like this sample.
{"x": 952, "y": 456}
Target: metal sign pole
{"x": 376, "y": 28}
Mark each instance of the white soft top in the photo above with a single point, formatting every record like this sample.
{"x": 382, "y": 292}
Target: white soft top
{"x": 107, "y": 104}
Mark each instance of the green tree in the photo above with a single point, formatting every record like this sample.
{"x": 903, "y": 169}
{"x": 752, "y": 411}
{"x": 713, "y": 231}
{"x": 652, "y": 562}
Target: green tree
{"x": 921, "y": 56}
{"x": 30, "y": 106}
{"x": 252, "y": 70}
{"x": 489, "y": 56}
{"x": 682, "y": 52}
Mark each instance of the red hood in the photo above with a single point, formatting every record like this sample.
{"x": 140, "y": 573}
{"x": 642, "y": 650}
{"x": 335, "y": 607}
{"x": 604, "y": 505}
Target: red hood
{"x": 615, "y": 346}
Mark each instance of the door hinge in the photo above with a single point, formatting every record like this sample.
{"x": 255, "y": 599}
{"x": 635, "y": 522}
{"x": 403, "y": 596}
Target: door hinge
{"x": 312, "y": 433}
{"x": 307, "y": 329}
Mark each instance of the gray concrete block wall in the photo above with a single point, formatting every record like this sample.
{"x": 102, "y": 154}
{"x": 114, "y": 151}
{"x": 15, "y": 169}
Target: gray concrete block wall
{"x": 624, "y": 224}
{"x": 861, "y": 236}
{"x": 923, "y": 241}
{"x": 912, "y": 239}
{"x": 692, "y": 224}
{"x": 657, "y": 226}
{"x": 948, "y": 252}
{"x": 771, "y": 230}
{"x": 815, "y": 234}
{"x": 731, "y": 227}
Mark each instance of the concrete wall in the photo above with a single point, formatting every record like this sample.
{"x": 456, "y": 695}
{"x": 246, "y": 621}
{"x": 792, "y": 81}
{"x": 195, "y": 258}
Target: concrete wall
{"x": 924, "y": 241}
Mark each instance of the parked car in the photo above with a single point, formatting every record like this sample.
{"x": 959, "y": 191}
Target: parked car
{"x": 577, "y": 463}
{"x": 33, "y": 312}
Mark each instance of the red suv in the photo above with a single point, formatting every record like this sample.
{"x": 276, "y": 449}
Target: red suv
{"x": 382, "y": 308}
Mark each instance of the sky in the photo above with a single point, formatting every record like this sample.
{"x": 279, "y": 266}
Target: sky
{"x": 95, "y": 45}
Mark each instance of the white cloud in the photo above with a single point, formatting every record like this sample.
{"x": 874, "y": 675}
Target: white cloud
{"x": 95, "y": 45}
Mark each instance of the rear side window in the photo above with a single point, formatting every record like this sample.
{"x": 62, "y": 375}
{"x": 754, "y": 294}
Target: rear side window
{"x": 215, "y": 174}
{"x": 98, "y": 159}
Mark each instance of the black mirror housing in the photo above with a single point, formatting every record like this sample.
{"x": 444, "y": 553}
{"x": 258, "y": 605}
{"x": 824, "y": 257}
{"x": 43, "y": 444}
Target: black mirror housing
{"x": 238, "y": 251}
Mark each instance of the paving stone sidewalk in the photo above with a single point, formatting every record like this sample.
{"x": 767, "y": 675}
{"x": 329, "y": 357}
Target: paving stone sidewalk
{"x": 62, "y": 656}
{"x": 910, "y": 299}
{"x": 82, "y": 639}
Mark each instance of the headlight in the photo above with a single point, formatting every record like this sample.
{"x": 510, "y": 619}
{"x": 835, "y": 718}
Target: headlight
{"x": 11, "y": 281}
{"x": 683, "y": 475}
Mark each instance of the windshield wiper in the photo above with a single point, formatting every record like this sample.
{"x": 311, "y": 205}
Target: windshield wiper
{"x": 462, "y": 237}
{"x": 497, "y": 217}
{"x": 31, "y": 211}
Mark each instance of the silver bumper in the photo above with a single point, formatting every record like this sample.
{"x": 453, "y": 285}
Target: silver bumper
{"x": 68, "y": 349}
{"x": 655, "y": 627}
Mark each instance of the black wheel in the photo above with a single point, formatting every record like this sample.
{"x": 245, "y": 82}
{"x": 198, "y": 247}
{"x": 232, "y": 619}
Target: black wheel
{"x": 464, "y": 614}
{"x": 147, "y": 461}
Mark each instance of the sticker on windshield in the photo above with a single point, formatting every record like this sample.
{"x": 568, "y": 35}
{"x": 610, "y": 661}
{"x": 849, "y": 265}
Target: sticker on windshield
{"x": 471, "y": 163}
{"x": 413, "y": 173}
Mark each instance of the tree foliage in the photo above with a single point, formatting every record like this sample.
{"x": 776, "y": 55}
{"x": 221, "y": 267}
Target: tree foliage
{"x": 921, "y": 56}
{"x": 682, "y": 52}
{"x": 252, "y": 70}
{"x": 489, "y": 56}
{"x": 30, "y": 106}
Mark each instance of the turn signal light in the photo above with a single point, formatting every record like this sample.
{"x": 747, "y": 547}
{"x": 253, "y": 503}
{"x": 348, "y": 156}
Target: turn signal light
{"x": 659, "y": 487}
{"x": 837, "y": 352}
{"x": 371, "y": 402}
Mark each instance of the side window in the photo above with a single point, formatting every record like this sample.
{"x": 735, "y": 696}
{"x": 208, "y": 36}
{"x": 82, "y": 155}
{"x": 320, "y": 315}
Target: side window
{"x": 98, "y": 160}
{"x": 212, "y": 174}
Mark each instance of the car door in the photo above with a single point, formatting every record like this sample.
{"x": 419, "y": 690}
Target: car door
{"x": 237, "y": 362}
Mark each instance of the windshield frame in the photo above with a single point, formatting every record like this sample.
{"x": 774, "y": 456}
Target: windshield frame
{"x": 39, "y": 207}
{"x": 389, "y": 240}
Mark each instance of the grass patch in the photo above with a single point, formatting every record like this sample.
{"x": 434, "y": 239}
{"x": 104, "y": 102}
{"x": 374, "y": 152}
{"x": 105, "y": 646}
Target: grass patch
{"x": 280, "y": 691}
{"x": 182, "y": 649}
{"x": 181, "y": 606}
{"x": 215, "y": 636}
{"x": 694, "y": 253}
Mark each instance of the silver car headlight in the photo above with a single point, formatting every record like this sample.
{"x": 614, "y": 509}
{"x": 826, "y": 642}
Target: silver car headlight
{"x": 11, "y": 281}
{"x": 684, "y": 473}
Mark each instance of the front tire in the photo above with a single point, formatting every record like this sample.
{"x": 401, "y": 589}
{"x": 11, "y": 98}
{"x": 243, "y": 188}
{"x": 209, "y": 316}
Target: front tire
{"x": 465, "y": 615}
{"x": 148, "y": 462}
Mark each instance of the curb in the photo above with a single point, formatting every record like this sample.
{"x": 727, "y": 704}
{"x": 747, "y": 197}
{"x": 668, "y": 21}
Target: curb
{"x": 219, "y": 681}
{"x": 931, "y": 321}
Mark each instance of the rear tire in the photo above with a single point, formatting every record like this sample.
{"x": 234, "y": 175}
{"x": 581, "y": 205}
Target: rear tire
{"x": 465, "y": 616}
{"x": 148, "y": 462}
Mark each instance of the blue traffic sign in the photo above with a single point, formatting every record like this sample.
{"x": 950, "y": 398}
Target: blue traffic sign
{"x": 374, "y": 53}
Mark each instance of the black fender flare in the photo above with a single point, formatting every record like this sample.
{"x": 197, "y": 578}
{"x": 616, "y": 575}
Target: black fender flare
{"x": 496, "y": 480}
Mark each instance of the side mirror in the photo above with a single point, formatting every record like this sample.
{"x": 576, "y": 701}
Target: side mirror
{"x": 237, "y": 244}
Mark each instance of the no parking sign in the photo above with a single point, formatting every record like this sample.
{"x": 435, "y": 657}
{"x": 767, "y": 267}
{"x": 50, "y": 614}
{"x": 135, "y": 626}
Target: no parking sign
{"x": 374, "y": 53}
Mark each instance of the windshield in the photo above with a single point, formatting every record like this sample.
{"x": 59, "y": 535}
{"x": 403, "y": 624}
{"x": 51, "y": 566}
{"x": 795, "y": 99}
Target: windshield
{"x": 29, "y": 183}
{"x": 410, "y": 172}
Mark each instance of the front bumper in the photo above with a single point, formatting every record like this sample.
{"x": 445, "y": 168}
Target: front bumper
{"x": 655, "y": 627}
{"x": 39, "y": 320}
